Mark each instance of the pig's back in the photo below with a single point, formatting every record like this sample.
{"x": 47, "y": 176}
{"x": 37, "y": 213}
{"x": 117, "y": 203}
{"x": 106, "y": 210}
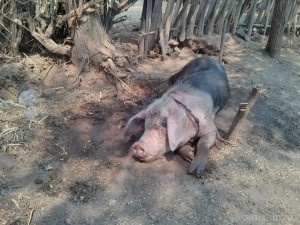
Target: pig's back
{"x": 207, "y": 75}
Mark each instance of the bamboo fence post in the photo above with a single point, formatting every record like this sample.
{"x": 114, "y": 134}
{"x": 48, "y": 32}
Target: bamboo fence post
{"x": 148, "y": 24}
{"x": 176, "y": 11}
{"x": 183, "y": 21}
{"x": 209, "y": 28}
{"x": 143, "y": 31}
{"x": 219, "y": 24}
{"x": 201, "y": 23}
{"x": 191, "y": 26}
{"x": 252, "y": 16}
{"x": 222, "y": 40}
{"x": 237, "y": 16}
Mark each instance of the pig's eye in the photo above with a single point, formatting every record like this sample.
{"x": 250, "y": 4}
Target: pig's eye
{"x": 163, "y": 122}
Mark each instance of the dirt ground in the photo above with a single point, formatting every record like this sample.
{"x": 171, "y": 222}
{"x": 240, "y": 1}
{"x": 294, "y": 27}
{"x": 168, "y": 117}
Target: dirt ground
{"x": 63, "y": 159}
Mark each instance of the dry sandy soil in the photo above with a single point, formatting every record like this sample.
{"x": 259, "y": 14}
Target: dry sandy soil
{"x": 64, "y": 161}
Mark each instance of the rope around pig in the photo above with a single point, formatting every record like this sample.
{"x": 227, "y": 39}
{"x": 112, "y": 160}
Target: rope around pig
{"x": 219, "y": 138}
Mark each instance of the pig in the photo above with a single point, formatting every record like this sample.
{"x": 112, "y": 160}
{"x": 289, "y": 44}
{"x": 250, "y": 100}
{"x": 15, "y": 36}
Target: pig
{"x": 184, "y": 113}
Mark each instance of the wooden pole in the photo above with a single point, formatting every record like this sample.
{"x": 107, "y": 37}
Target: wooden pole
{"x": 219, "y": 24}
{"x": 191, "y": 26}
{"x": 244, "y": 108}
{"x": 237, "y": 16}
{"x": 253, "y": 96}
{"x": 252, "y": 16}
{"x": 176, "y": 11}
{"x": 143, "y": 30}
{"x": 148, "y": 25}
{"x": 237, "y": 122}
{"x": 183, "y": 21}
{"x": 201, "y": 23}
{"x": 209, "y": 28}
{"x": 156, "y": 21}
{"x": 222, "y": 40}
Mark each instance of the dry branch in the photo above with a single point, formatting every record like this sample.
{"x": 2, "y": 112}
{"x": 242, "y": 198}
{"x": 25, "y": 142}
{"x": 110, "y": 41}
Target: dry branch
{"x": 75, "y": 13}
{"x": 50, "y": 44}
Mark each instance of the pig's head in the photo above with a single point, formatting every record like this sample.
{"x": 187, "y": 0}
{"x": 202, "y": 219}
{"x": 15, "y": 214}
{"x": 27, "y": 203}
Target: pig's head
{"x": 164, "y": 128}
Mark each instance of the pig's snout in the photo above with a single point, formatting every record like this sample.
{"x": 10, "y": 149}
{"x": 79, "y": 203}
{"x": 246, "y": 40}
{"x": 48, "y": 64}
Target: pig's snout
{"x": 138, "y": 150}
{"x": 141, "y": 154}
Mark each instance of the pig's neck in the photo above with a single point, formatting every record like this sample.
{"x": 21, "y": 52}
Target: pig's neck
{"x": 199, "y": 103}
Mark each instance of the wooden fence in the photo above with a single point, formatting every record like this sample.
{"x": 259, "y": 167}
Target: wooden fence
{"x": 183, "y": 19}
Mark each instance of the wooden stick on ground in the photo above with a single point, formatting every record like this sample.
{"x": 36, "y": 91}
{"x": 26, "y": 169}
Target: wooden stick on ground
{"x": 241, "y": 114}
{"x": 253, "y": 96}
{"x": 237, "y": 122}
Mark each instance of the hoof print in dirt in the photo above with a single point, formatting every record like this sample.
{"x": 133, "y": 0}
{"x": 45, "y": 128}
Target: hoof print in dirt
{"x": 82, "y": 192}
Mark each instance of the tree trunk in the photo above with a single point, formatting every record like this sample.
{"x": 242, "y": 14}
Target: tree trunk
{"x": 277, "y": 28}
{"x": 91, "y": 43}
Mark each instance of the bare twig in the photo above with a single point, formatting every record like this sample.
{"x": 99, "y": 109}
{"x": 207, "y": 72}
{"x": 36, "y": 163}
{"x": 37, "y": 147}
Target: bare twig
{"x": 16, "y": 203}
{"x": 12, "y": 103}
{"x": 8, "y": 131}
{"x": 17, "y": 22}
{"x": 46, "y": 74}
{"x": 5, "y": 37}
{"x": 41, "y": 120}
{"x": 64, "y": 150}
{"x": 122, "y": 82}
{"x": 30, "y": 60}
{"x": 30, "y": 217}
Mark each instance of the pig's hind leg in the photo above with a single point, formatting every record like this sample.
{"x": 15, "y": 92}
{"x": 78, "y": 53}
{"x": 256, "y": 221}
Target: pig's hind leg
{"x": 198, "y": 164}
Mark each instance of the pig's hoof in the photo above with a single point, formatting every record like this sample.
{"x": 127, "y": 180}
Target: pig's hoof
{"x": 197, "y": 170}
{"x": 187, "y": 153}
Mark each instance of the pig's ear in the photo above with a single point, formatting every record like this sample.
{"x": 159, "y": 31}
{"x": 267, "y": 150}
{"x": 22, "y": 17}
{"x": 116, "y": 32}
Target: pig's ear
{"x": 136, "y": 124}
{"x": 177, "y": 126}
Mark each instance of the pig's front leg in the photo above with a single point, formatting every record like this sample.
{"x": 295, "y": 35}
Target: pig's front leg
{"x": 198, "y": 165}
